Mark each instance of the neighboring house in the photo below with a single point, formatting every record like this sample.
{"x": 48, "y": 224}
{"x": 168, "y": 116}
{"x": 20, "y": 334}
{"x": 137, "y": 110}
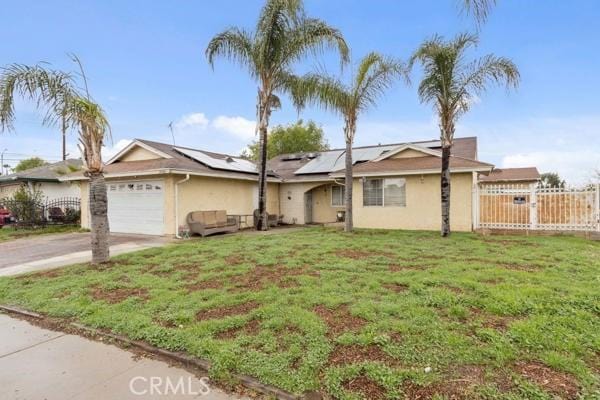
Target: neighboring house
{"x": 44, "y": 179}
{"x": 152, "y": 186}
{"x": 520, "y": 176}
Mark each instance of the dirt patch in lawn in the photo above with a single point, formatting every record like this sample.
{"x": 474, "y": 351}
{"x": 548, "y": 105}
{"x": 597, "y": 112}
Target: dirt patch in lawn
{"x": 558, "y": 383}
{"x": 396, "y": 287}
{"x": 355, "y": 354}
{"x": 234, "y": 260}
{"x": 114, "y": 296}
{"x": 251, "y": 328}
{"x": 222, "y": 312}
{"x": 456, "y": 386}
{"x": 517, "y": 267}
{"x": 203, "y": 285}
{"x": 366, "y": 387}
{"x": 261, "y": 276}
{"x": 497, "y": 322}
{"x": 339, "y": 320}
{"x": 49, "y": 274}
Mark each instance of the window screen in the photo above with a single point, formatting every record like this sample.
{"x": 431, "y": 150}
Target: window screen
{"x": 373, "y": 192}
{"x": 337, "y": 196}
{"x": 395, "y": 192}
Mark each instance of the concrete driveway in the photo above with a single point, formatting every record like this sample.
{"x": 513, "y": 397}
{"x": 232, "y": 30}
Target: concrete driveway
{"x": 57, "y": 250}
{"x": 36, "y": 363}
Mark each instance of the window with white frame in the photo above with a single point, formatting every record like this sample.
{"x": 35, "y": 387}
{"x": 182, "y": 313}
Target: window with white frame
{"x": 388, "y": 192}
{"x": 338, "y": 195}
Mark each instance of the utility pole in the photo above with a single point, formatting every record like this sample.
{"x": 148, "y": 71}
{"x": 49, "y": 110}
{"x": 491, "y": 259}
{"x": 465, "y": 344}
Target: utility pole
{"x": 2, "y": 162}
{"x": 64, "y": 138}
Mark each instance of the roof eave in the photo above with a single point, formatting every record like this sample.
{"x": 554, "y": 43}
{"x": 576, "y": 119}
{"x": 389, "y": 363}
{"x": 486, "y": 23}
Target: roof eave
{"x": 167, "y": 171}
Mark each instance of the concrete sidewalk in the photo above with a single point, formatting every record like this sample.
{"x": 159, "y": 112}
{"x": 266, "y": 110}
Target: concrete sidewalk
{"x": 38, "y": 364}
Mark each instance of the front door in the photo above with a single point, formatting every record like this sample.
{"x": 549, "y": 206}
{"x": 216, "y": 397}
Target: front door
{"x": 308, "y": 204}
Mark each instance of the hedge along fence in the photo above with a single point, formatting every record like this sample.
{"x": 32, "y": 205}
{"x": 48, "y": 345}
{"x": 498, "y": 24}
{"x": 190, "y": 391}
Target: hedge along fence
{"x": 30, "y": 210}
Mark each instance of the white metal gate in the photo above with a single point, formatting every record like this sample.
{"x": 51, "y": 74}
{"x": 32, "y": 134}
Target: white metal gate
{"x": 535, "y": 208}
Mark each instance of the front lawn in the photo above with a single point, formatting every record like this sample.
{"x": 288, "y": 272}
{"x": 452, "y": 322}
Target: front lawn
{"x": 376, "y": 314}
{"x": 10, "y": 233}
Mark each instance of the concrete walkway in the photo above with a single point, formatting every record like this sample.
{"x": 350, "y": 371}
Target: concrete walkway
{"x": 58, "y": 250}
{"x": 38, "y": 364}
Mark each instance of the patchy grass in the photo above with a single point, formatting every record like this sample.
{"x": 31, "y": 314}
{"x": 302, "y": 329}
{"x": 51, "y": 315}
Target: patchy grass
{"x": 10, "y": 233}
{"x": 375, "y": 314}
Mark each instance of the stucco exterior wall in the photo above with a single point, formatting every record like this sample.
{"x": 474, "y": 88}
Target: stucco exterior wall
{"x": 8, "y": 190}
{"x": 409, "y": 153}
{"x": 50, "y": 190}
{"x": 84, "y": 190}
{"x": 138, "y": 153}
{"x": 291, "y": 200}
{"x": 323, "y": 211}
{"x": 423, "y": 205}
{"x": 235, "y": 196}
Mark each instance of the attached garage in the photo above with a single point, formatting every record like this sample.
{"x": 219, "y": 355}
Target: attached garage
{"x": 136, "y": 207}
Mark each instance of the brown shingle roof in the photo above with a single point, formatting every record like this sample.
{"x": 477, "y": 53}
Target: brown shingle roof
{"x": 511, "y": 174}
{"x": 395, "y": 165}
{"x": 177, "y": 161}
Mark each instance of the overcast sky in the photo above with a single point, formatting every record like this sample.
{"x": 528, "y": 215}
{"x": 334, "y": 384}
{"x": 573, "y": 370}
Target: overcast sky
{"x": 146, "y": 66}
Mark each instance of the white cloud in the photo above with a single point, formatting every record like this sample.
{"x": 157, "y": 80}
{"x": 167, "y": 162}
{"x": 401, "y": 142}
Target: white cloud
{"x": 238, "y": 126}
{"x": 194, "y": 120}
{"x": 110, "y": 151}
{"x": 577, "y": 167}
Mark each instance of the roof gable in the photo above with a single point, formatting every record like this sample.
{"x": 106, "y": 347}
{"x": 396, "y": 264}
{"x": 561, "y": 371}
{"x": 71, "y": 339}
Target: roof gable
{"x": 408, "y": 151}
{"x": 138, "y": 151}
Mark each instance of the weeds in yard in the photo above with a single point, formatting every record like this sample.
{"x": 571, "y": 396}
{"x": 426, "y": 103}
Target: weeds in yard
{"x": 374, "y": 314}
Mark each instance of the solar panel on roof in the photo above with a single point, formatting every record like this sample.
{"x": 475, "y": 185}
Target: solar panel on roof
{"x": 228, "y": 164}
{"x": 334, "y": 160}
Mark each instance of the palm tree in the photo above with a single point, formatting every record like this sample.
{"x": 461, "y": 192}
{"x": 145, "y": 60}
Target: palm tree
{"x": 375, "y": 74}
{"x": 451, "y": 84}
{"x": 57, "y": 94}
{"x": 282, "y": 37}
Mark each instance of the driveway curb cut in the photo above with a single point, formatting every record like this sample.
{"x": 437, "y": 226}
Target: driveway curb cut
{"x": 247, "y": 381}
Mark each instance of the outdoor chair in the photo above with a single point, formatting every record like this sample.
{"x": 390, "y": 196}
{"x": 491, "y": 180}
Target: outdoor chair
{"x": 209, "y": 222}
{"x": 273, "y": 219}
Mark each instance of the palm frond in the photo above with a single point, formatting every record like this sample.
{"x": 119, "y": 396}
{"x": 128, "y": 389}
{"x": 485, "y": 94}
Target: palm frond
{"x": 234, "y": 44}
{"x": 478, "y": 74}
{"x": 317, "y": 89}
{"x": 313, "y": 36}
{"x": 276, "y": 20}
{"x": 376, "y": 74}
{"x": 48, "y": 89}
{"x": 479, "y": 9}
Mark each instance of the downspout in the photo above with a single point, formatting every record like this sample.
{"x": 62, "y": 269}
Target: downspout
{"x": 187, "y": 178}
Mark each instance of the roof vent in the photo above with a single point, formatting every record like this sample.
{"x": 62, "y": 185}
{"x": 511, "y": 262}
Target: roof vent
{"x": 229, "y": 159}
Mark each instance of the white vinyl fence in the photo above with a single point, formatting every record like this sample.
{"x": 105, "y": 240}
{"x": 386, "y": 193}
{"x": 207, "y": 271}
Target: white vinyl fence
{"x": 529, "y": 207}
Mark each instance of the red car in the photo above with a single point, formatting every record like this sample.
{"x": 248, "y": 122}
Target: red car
{"x": 5, "y": 217}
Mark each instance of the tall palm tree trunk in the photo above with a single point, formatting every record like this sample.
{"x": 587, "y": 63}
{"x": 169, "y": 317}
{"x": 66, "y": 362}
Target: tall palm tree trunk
{"x": 348, "y": 220}
{"x": 99, "y": 218}
{"x": 445, "y": 189}
{"x": 263, "y": 110}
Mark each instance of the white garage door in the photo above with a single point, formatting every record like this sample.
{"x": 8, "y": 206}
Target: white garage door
{"x": 136, "y": 207}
